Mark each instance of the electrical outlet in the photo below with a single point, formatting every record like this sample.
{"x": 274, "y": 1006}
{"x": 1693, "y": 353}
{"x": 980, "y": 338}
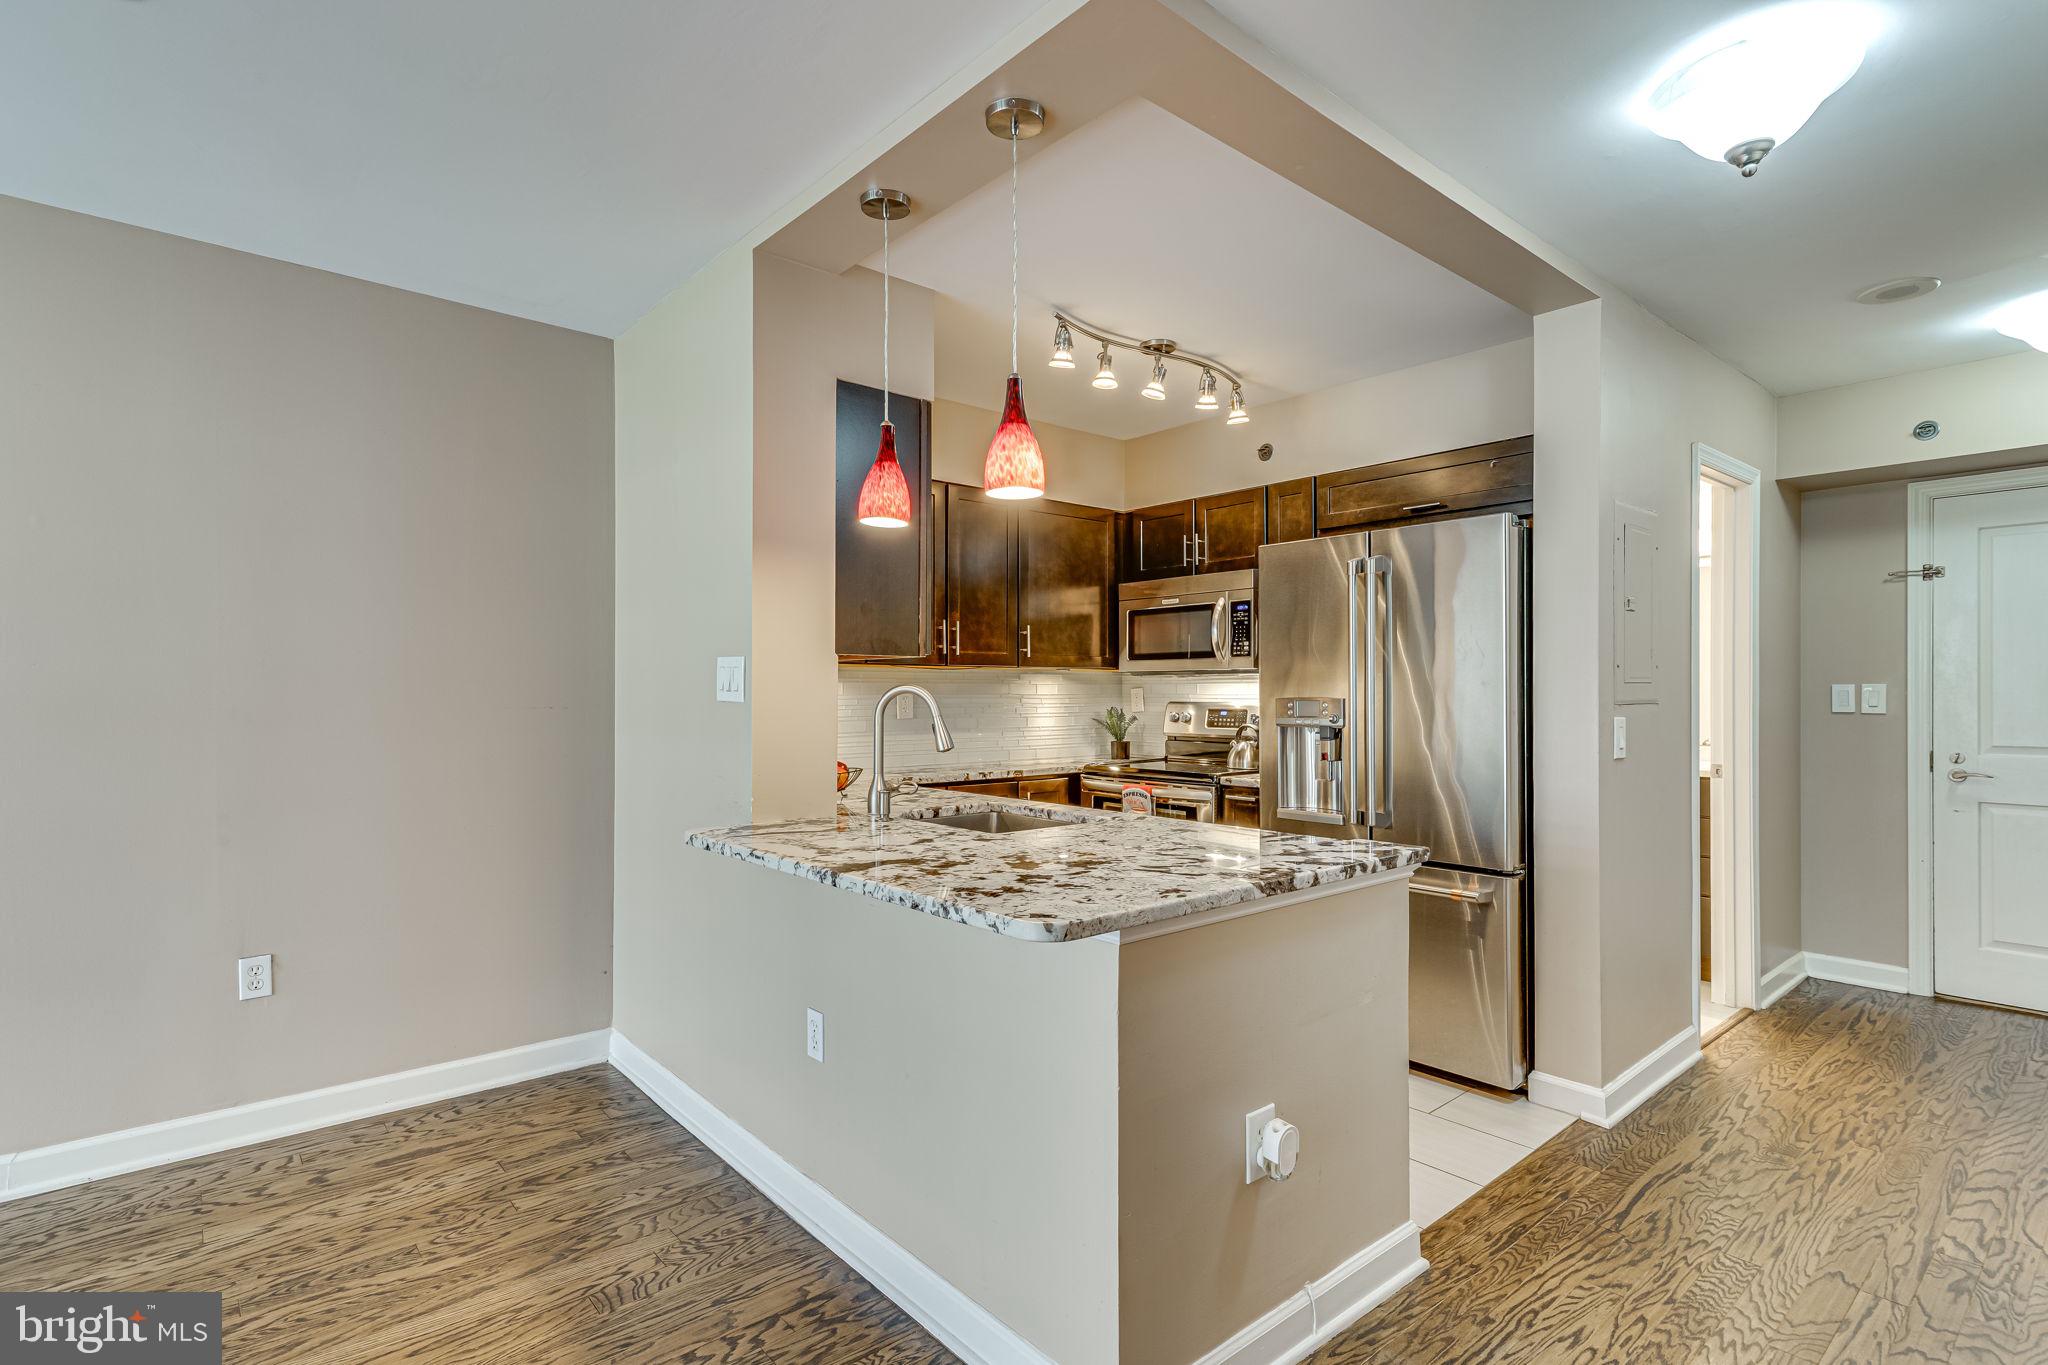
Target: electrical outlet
{"x": 814, "y": 1035}
{"x": 903, "y": 705}
{"x": 1137, "y": 701}
{"x": 1621, "y": 736}
{"x": 1254, "y": 1128}
{"x": 252, "y": 977}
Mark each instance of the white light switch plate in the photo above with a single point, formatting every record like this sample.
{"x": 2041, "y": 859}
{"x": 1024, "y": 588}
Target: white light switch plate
{"x": 1842, "y": 698}
{"x": 1873, "y": 699}
{"x": 1621, "y": 736}
{"x": 1137, "y": 701}
{"x": 732, "y": 677}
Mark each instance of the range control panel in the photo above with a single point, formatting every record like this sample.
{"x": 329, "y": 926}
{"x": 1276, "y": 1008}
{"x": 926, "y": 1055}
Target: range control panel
{"x": 1194, "y": 718}
{"x": 1240, "y": 630}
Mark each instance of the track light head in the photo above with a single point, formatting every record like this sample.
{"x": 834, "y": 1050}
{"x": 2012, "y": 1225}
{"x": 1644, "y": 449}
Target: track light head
{"x": 1238, "y": 416}
{"x": 1062, "y": 348}
{"x": 1156, "y": 387}
{"x": 1105, "y": 375}
{"x": 1205, "y": 394}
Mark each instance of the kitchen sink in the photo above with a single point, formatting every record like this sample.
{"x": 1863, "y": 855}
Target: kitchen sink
{"x": 996, "y": 821}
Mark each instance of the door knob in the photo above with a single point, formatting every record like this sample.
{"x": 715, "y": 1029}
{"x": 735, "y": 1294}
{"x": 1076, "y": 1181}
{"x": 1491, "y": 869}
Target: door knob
{"x": 1960, "y": 775}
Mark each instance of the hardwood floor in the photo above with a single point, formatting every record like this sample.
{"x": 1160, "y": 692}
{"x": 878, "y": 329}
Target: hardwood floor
{"x": 1851, "y": 1176}
{"x": 567, "y": 1219}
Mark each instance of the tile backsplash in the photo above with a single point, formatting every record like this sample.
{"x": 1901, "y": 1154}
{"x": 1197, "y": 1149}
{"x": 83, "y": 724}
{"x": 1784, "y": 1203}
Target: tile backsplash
{"x": 1018, "y": 715}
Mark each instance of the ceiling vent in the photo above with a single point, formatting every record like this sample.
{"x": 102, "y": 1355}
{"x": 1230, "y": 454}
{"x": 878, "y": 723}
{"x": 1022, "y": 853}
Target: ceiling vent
{"x": 1898, "y": 291}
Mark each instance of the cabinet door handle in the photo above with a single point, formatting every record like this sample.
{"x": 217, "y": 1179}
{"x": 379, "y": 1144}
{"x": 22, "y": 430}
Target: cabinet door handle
{"x": 956, "y": 637}
{"x": 1027, "y": 641}
{"x": 1185, "y": 556}
{"x": 1201, "y": 552}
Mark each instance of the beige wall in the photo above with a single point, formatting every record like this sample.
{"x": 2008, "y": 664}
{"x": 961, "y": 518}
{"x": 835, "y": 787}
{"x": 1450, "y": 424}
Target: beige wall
{"x": 1621, "y": 399}
{"x": 1203, "y": 1254}
{"x": 1079, "y": 465}
{"x": 811, "y": 330}
{"x": 1853, "y": 777}
{"x": 305, "y": 595}
{"x": 966, "y": 1106}
{"x": 1483, "y": 396}
{"x": 1992, "y": 412}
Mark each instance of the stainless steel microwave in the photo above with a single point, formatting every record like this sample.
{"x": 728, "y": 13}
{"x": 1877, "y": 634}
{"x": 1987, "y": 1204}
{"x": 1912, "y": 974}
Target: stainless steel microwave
{"x": 1204, "y": 623}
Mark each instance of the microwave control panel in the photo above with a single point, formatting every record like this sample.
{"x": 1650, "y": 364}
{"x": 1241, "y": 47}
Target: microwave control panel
{"x": 1240, "y": 629}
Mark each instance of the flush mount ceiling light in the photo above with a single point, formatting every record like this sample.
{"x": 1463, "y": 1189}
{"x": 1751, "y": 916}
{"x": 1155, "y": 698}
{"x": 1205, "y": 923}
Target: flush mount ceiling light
{"x": 1014, "y": 466}
{"x": 885, "y": 494}
{"x": 1739, "y": 90}
{"x": 1161, "y": 350}
{"x": 1898, "y": 291}
{"x": 2024, "y": 319}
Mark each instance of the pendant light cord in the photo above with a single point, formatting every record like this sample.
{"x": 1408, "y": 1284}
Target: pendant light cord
{"x": 1013, "y": 243}
{"x": 885, "y": 315}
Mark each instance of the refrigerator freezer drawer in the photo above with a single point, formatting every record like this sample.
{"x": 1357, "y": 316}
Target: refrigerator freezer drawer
{"x": 1467, "y": 1010}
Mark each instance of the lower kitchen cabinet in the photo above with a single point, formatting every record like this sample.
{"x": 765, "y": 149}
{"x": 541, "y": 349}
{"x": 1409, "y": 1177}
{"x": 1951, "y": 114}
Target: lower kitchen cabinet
{"x": 1239, "y": 806}
{"x": 1058, "y": 791}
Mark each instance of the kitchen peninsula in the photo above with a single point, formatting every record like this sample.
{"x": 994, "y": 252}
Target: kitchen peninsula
{"x": 1039, "y": 1053}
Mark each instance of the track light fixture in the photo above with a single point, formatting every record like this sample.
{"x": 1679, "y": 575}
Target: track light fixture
{"x": 1161, "y": 350}
{"x": 1156, "y": 386}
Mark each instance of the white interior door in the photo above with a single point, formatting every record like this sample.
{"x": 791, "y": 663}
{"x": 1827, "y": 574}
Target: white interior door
{"x": 1990, "y": 747}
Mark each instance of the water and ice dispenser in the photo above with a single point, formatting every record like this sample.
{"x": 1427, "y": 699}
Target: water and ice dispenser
{"x": 1311, "y": 760}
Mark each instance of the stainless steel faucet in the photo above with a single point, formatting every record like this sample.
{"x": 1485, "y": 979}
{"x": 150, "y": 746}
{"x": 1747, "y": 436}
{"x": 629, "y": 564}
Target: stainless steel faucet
{"x": 878, "y": 785}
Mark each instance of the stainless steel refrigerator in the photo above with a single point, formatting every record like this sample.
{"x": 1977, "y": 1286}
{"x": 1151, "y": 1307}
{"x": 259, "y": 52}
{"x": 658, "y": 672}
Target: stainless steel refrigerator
{"x": 1393, "y": 700}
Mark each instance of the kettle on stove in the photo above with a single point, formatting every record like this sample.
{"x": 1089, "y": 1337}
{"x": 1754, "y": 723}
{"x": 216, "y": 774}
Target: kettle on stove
{"x": 1244, "y": 750}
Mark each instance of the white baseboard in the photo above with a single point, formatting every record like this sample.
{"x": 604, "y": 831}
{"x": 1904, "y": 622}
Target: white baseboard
{"x": 1609, "y": 1105}
{"x": 964, "y": 1326}
{"x": 1780, "y": 980}
{"x": 1296, "y": 1329}
{"x": 158, "y": 1144}
{"x": 1878, "y": 976}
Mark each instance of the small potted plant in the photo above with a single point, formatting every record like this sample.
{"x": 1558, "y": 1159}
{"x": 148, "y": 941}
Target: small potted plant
{"x": 1118, "y": 722}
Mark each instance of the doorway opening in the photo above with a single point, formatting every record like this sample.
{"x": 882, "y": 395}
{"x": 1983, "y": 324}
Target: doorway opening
{"x": 1725, "y": 517}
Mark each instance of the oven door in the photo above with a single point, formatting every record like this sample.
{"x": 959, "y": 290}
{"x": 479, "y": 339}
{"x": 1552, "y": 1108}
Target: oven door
{"x": 1169, "y": 801}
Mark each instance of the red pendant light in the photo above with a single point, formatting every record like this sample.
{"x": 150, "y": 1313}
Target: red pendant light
{"x": 1015, "y": 466}
{"x": 885, "y": 494}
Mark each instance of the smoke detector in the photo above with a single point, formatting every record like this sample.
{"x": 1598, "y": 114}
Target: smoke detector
{"x": 1898, "y": 291}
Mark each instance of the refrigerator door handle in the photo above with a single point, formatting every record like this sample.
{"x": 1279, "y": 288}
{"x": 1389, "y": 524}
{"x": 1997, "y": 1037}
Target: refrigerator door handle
{"x": 1378, "y": 570}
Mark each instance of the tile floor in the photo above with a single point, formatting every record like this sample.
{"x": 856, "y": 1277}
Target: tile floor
{"x": 1459, "y": 1140}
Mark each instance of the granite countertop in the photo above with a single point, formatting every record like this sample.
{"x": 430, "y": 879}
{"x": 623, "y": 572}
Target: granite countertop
{"x": 1096, "y": 872}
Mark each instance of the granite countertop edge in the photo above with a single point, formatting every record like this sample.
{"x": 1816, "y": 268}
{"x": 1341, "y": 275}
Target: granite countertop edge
{"x": 1140, "y": 870}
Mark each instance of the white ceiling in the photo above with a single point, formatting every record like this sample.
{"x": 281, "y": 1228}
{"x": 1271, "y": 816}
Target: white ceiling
{"x": 571, "y": 162}
{"x": 1143, "y": 224}
{"x": 1933, "y": 160}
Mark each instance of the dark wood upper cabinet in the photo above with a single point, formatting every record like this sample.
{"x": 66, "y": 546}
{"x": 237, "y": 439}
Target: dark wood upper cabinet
{"x": 1497, "y": 474}
{"x": 1159, "y": 541}
{"x": 1066, "y": 585}
{"x": 1229, "y": 528}
{"x": 981, "y": 577}
{"x": 883, "y": 607}
{"x": 1290, "y": 510}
